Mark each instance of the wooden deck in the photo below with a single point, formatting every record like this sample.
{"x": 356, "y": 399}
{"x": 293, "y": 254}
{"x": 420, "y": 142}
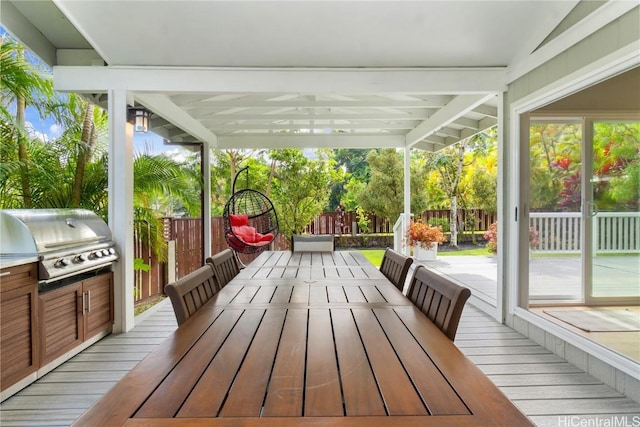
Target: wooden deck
{"x": 545, "y": 387}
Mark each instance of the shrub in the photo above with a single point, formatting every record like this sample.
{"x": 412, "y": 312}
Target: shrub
{"x": 424, "y": 235}
{"x": 491, "y": 235}
{"x": 443, "y": 223}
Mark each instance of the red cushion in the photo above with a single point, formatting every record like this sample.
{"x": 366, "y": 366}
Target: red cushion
{"x": 264, "y": 238}
{"x": 239, "y": 220}
{"x": 245, "y": 233}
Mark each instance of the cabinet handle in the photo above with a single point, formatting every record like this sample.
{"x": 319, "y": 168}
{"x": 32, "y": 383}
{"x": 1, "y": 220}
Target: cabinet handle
{"x": 88, "y": 300}
{"x": 83, "y": 305}
{"x": 5, "y": 273}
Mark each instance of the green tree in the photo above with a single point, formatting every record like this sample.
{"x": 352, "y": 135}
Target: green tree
{"x": 450, "y": 164}
{"x": 554, "y": 163}
{"x": 384, "y": 193}
{"x": 225, "y": 166}
{"x": 300, "y": 188}
{"x": 616, "y": 167}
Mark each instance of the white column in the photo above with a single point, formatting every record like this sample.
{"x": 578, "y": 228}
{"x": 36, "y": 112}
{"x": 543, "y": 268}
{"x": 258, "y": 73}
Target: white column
{"x": 407, "y": 194}
{"x": 206, "y": 200}
{"x": 504, "y": 175}
{"x": 121, "y": 206}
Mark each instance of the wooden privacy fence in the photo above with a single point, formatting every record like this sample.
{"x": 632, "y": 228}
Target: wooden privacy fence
{"x": 146, "y": 283}
{"x": 329, "y": 222}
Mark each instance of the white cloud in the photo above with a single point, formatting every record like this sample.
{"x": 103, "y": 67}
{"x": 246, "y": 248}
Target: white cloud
{"x": 34, "y": 133}
{"x": 55, "y": 130}
{"x": 177, "y": 155}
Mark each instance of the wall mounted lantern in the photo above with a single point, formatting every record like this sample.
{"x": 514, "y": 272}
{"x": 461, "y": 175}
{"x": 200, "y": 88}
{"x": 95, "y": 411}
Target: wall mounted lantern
{"x": 139, "y": 117}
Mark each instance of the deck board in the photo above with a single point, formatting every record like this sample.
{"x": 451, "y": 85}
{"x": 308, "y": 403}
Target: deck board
{"x": 541, "y": 384}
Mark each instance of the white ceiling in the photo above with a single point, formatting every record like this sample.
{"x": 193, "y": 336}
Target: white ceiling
{"x": 440, "y": 41}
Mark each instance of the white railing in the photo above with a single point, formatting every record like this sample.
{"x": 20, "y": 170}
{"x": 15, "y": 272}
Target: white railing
{"x": 399, "y": 232}
{"x": 617, "y": 232}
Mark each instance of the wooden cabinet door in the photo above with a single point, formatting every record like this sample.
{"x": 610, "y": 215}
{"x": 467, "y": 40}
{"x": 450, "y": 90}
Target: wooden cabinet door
{"x": 98, "y": 315}
{"x": 61, "y": 321}
{"x": 19, "y": 354}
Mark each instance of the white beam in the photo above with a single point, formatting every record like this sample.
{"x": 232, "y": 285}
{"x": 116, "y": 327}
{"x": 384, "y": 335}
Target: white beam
{"x": 426, "y": 146}
{"x": 310, "y": 141}
{"x": 608, "y": 12}
{"x": 279, "y": 117}
{"x": 377, "y": 103}
{"x": 455, "y": 109}
{"x": 162, "y": 105}
{"x": 78, "y": 57}
{"x": 319, "y": 126}
{"x": 434, "y": 140}
{"x": 27, "y": 33}
{"x": 467, "y": 123}
{"x": 438, "y": 81}
{"x": 487, "y": 111}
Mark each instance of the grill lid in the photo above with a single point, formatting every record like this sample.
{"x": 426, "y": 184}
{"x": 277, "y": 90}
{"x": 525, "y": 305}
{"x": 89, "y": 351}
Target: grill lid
{"x": 67, "y": 242}
{"x": 38, "y": 231}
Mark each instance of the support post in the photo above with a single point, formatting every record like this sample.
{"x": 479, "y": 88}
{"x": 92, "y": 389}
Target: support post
{"x": 206, "y": 199}
{"x": 121, "y": 207}
{"x": 407, "y": 195}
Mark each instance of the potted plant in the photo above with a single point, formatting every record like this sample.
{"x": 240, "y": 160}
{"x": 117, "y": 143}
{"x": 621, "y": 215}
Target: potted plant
{"x": 424, "y": 239}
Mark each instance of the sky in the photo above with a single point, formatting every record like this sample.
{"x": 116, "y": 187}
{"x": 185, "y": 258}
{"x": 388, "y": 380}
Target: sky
{"x": 47, "y": 128}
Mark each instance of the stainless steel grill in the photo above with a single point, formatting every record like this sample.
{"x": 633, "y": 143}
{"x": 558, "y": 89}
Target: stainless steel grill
{"x": 67, "y": 242}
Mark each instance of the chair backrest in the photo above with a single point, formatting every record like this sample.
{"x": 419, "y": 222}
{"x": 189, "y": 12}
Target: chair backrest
{"x": 439, "y": 298}
{"x": 395, "y": 267}
{"x": 190, "y": 293}
{"x": 225, "y": 265}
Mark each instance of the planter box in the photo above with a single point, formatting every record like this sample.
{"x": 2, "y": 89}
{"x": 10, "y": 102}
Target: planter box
{"x": 312, "y": 243}
{"x": 421, "y": 254}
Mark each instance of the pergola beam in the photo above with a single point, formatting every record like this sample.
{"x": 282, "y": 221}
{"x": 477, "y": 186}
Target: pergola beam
{"x": 310, "y": 140}
{"x": 376, "y": 104}
{"x": 316, "y": 125}
{"x": 437, "y": 81}
{"x": 455, "y": 109}
{"x": 164, "y": 107}
{"x": 226, "y": 118}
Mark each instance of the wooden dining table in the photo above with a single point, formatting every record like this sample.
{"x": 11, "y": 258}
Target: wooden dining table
{"x": 306, "y": 339}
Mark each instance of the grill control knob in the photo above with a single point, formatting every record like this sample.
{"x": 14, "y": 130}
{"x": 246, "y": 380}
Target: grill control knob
{"x": 62, "y": 262}
{"x": 96, "y": 254}
{"x": 80, "y": 258}
{"x": 112, "y": 251}
{"x": 105, "y": 252}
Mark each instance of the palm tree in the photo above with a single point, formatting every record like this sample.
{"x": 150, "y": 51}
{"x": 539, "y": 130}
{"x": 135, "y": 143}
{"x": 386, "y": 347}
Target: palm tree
{"x": 20, "y": 83}
{"x": 158, "y": 178}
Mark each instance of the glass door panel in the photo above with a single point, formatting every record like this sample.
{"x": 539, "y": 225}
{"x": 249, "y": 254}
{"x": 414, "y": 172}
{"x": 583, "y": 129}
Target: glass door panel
{"x": 555, "y": 211}
{"x": 613, "y": 201}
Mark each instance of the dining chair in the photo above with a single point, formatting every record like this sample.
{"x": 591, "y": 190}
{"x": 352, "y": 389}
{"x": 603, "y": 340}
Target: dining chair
{"x": 225, "y": 265}
{"x": 395, "y": 267}
{"x": 438, "y": 298}
{"x": 190, "y": 292}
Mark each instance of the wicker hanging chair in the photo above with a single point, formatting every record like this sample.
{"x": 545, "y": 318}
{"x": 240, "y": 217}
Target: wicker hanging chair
{"x": 250, "y": 220}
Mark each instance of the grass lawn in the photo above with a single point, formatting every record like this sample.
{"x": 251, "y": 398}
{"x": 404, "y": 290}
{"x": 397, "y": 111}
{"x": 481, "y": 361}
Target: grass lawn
{"x": 375, "y": 255}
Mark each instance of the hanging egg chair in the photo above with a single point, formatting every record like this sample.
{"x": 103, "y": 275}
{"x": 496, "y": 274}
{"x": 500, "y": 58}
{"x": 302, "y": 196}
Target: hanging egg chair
{"x": 250, "y": 220}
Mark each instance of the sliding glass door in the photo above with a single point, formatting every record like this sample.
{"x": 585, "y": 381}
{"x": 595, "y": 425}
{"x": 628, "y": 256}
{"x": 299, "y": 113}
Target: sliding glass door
{"x": 613, "y": 216}
{"x": 555, "y": 211}
{"x": 584, "y": 221}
